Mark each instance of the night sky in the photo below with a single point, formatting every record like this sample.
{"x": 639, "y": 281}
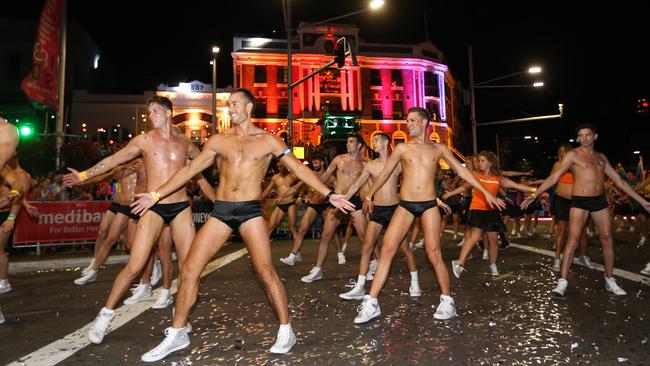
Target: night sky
{"x": 594, "y": 58}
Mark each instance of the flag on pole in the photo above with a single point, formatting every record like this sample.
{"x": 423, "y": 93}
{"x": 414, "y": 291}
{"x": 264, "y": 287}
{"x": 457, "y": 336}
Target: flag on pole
{"x": 41, "y": 84}
{"x": 640, "y": 173}
{"x": 621, "y": 171}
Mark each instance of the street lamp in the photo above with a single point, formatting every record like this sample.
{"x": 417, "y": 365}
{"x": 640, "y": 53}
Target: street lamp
{"x": 286, "y": 7}
{"x": 485, "y": 84}
{"x": 215, "y": 52}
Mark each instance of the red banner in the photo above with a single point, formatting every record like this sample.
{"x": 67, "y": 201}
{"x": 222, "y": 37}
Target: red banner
{"x": 60, "y": 221}
{"x": 41, "y": 83}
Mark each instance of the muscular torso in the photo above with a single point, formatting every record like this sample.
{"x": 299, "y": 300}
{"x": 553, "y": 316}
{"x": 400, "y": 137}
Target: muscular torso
{"x": 589, "y": 173}
{"x": 348, "y": 170}
{"x": 387, "y": 194}
{"x": 419, "y": 167}
{"x": 125, "y": 189}
{"x": 242, "y": 163}
{"x": 282, "y": 184}
{"x": 162, "y": 159}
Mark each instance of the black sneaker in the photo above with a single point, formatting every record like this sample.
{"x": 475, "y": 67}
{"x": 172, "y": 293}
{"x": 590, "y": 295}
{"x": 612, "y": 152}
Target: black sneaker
{"x": 504, "y": 242}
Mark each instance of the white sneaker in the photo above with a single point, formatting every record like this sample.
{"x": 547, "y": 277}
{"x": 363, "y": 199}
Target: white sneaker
{"x": 156, "y": 274}
{"x": 632, "y": 228}
{"x": 290, "y": 260}
{"x": 457, "y": 268}
{"x": 611, "y": 286}
{"x": 446, "y": 309}
{"x": 88, "y": 277}
{"x": 100, "y": 325}
{"x": 513, "y": 232}
{"x": 314, "y": 275}
{"x": 284, "y": 341}
{"x": 646, "y": 270}
{"x": 585, "y": 261}
{"x": 368, "y": 310}
{"x": 557, "y": 265}
{"x": 560, "y": 289}
{"x": 164, "y": 299}
{"x": 486, "y": 255}
{"x": 518, "y": 236}
{"x": 642, "y": 240}
{"x": 460, "y": 243}
{"x": 357, "y": 292}
{"x": 141, "y": 293}
{"x": 420, "y": 244}
{"x": 175, "y": 340}
{"x": 619, "y": 229}
{"x": 344, "y": 247}
{"x": 372, "y": 269}
{"x": 529, "y": 233}
{"x": 4, "y": 286}
{"x": 414, "y": 290}
{"x": 341, "y": 257}
{"x": 454, "y": 237}
{"x": 85, "y": 270}
{"x": 494, "y": 270}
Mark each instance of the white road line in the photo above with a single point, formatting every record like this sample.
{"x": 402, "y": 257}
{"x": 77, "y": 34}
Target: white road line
{"x": 617, "y": 272}
{"x": 65, "y": 347}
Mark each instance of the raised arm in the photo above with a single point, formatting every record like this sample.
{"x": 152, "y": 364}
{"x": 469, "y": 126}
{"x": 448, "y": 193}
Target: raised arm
{"x": 623, "y": 185}
{"x": 392, "y": 162}
{"x": 180, "y": 178}
{"x": 268, "y": 189}
{"x": 511, "y": 173}
{"x": 129, "y": 152}
{"x": 469, "y": 177}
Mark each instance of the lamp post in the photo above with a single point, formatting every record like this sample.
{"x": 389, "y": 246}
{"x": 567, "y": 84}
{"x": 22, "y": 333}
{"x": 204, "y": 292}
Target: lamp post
{"x": 486, "y": 85}
{"x": 286, "y": 7}
{"x": 215, "y": 53}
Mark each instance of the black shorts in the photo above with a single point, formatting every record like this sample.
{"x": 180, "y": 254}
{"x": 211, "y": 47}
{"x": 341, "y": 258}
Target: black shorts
{"x": 562, "y": 207}
{"x": 319, "y": 208}
{"x": 356, "y": 201}
{"x": 382, "y": 214}
{"x": 169, "y": 211}
{"x": 4, "y": 215}
{"x": 234, "y": 214}
{"x": 124, "y": 210}
{"x": 285, "y": 207}
{"x": 486, "y": 220}
{"x": 456, "y": 208}
{"x": 512, "y": 210}
{"x": 590, "y": 203}
{"x": 418, "y": 208}
{"x": 532, "y": 208}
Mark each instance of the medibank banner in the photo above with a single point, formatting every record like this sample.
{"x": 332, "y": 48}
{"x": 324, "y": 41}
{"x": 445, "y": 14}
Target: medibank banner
{"x": 60, "y": 221}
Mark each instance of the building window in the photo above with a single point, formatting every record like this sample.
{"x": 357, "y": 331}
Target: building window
{"x": 431, "y": 85}
{"x": 282, "y": 75}
{"x": 396, "y": 77}
{"x": 330, "y": 81}
{"x": 377, "y": 112}
{"x": 375, "y": 77}
{"x": 260, "y": 74}
{"x": 398, "y": 109}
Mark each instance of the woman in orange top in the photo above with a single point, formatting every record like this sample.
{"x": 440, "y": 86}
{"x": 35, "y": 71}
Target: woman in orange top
{"x": 561, "y": 208}
{"x": 484, "y": 218}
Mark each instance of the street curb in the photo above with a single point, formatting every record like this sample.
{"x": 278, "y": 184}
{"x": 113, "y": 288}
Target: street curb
{"x": 44, "y": 265}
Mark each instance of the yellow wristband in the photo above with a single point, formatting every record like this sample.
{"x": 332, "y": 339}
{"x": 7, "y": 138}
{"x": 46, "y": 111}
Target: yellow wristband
{"x": 11, "y": 217}
{"x": 532, "y": 193}
{"x": 155, "y": 195}
{"x": 83, "y": 175}
{"x": 15, "y": 191}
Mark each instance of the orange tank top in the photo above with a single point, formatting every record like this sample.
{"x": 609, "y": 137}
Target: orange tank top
{"x": 567, "y": 178}
{"x": 479, "y": 202}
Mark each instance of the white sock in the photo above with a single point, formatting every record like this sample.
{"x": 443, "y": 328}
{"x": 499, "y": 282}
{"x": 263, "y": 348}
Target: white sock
{"x": 414, "y": 277}
{"x": 107, "y": 310}
{"x": 361, "y": 280}
{"x": 373, "y": 300}
{"x": 446, "y": 298}
{"x": 285, "y": 327}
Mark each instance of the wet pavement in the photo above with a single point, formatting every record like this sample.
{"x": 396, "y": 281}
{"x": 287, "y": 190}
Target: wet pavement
{"x": 509, "y": 320}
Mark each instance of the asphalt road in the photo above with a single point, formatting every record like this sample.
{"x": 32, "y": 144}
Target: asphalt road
{"x": 508, "y": 320}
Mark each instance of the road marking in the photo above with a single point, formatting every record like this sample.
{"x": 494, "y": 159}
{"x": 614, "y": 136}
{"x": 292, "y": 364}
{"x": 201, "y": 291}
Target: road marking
{"x": 65, "y": 347}
{"x": 617, "y": 272}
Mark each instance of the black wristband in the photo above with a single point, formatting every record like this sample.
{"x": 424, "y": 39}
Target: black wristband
{"x": 329, "y": 195}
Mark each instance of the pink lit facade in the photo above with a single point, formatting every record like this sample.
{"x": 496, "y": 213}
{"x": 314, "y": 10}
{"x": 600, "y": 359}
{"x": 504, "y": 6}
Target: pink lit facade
{"x": 388, "y": 81}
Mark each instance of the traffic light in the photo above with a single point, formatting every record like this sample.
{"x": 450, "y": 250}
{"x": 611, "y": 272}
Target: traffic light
{"x": 339, "y": 53}
{"x": 26, "y": 130}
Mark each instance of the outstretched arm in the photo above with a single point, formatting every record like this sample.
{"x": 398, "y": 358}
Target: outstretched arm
{"x": 623, "y": 185}
{"x": 360, "y": 181}
{"x": 557, "y": 172}
{"x": 392, "y": 162}
{"x": 129, "y": 152}
{"x": 507, "y": 183}
{"x": 511, "y": 173}
{"x": 460, "y": 189}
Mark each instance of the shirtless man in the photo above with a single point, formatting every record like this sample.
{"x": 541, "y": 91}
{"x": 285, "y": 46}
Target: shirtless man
{"x": 8, "y": 144}
{"x": 286, "y": 204}
{"x": 164, "y": 153}
{"x": 385, "y": 204}
{"x": 317, "y": 206}
{"x": 243, "y": 154}
{"x": 348, "y": 168}
{"x": 8, "y": 214}
{"x": 589, "y": 168}
{"x": 419, "y": 161}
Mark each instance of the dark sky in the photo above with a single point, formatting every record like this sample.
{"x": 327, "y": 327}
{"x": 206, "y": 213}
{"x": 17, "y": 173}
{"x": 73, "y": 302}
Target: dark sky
{"x": 594, "y": 58}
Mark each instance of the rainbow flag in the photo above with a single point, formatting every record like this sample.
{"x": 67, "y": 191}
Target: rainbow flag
{"x": 621, "y": 171}
{"x": 640, "y": 173}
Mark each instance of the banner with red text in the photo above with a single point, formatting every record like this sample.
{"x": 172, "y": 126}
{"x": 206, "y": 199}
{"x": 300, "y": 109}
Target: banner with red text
{"x": 41, "y": 84}
{"x": 60, "y": 222}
